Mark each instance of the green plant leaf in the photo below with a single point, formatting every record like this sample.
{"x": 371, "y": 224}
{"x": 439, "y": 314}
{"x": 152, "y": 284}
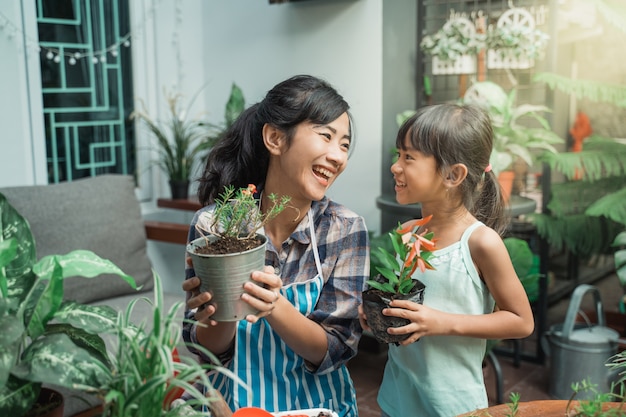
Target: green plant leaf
{"x": 80, "y": 263}
{"x": 17, "y": 396}
{"x": 620, "y": 257}
{"x": 235, "y": 105}
{"x": 55, "y": 359}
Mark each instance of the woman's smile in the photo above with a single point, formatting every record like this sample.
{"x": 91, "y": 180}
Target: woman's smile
{"x": 324, "y": 175}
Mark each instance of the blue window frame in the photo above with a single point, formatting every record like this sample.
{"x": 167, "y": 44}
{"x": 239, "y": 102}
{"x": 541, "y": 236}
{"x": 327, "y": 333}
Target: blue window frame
{"x": 87, "y": 87}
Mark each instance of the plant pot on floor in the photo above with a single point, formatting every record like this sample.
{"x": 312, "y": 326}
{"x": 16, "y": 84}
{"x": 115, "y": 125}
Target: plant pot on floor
{"x": 224, "y": 274}
{"x": 48, "y": 404}
{"x": 374, "y": 301}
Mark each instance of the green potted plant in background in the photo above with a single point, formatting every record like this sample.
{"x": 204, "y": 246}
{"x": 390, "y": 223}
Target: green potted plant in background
{"x": 47, "y": 340}
{"x": 182, "y": 142}
{"x": 394, "y": 259}
{"x": 454, "y": 47}
{"x": 146, "y": 376}
{"x": 230, "y": 248}
{"x": 516, "y": 144}
{"x": 514, "y": 42}
{"x": 586, "y": 204}
{"x": 38, "y": 326}
{"x": 234, "y": 106}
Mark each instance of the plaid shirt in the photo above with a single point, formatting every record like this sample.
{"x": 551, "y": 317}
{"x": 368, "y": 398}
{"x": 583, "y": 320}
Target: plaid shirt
{"x": 343, "y": 247}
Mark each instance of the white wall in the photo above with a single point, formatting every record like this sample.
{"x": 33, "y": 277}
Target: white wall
{"x": 187, "y": 43}
{"x": 256, "y": 45}
{"x": 22, "y": 160}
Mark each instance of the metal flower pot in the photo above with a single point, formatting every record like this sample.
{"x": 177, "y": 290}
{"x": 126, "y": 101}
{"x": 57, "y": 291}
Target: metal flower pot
{"x": 223, "y": 275}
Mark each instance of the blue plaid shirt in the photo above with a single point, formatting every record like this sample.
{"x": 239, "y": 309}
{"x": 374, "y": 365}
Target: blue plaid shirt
{"x": 343, "y": 247}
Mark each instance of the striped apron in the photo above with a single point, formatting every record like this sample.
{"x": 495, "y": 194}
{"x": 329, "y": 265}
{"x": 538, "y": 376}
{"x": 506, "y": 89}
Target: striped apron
{"x": 276, "y": 377}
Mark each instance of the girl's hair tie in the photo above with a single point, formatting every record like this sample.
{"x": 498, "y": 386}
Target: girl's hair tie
{"x": 488, "y": 168}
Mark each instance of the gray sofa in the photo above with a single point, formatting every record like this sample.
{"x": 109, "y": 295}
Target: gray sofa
{"x": 103, "y": 215}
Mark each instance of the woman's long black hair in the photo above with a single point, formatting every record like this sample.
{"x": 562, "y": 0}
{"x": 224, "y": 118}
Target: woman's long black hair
{"x": 241, "y": 158}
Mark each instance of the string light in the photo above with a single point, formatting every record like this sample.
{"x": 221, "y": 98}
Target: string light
{"x": 56, "y": 55}
{"x": 99, "y": 56}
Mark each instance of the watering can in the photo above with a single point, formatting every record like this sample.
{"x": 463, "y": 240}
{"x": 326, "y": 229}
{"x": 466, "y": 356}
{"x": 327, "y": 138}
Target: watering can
{"x": 580, "y": 351}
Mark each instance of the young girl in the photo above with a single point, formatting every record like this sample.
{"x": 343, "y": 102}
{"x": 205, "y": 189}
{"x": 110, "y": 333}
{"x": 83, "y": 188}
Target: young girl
{"x": 444, "y": 165}
{"x": 293, "y": 354}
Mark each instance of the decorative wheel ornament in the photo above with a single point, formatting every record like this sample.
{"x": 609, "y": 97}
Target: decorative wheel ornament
{"x": 514, "y": 22}
{"x": 516, "y": 17}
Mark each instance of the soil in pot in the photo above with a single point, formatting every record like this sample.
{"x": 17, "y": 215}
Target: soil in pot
{"x": 374, "y": 301}
{"x": 229, "y": 245}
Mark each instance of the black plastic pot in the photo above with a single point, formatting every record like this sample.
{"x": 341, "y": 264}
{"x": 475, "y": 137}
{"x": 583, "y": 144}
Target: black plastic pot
{"x": 374, "y": 301}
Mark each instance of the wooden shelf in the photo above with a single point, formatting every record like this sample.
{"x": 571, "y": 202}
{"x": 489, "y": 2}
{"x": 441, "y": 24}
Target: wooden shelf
{"x": 179, "y": 204}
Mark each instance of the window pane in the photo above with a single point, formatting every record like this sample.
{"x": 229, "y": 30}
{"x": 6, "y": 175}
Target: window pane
{"x": 87, "y": 87}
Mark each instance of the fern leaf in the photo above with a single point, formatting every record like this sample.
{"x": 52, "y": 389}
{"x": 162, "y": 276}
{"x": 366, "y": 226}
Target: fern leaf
{"x": 612, "y": 206}
{"x": 581, "y": 234}
{"x": 593, "y": 90}
{"x": 575, "y": 197}
{"x": 600, "y": 158}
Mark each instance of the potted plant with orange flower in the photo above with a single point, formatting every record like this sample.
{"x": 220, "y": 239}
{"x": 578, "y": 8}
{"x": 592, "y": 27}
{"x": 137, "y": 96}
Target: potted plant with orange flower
{"x": 392, "y": 276}
{"x": 230, "y": 247}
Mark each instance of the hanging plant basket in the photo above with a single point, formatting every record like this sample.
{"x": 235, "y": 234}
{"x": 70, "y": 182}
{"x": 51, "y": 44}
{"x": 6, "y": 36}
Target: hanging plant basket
{"x": 502, "y": 58}
{"x": 465, "y": 64}
{"x": 454, "y": 47}
{"x": 514, "y": 42}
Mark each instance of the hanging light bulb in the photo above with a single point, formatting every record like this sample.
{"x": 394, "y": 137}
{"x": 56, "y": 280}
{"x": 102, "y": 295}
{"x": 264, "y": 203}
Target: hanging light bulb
{"x": 72, "y": 61}
{"x": 57, "y": 59}
{"x": 50, "y": 55}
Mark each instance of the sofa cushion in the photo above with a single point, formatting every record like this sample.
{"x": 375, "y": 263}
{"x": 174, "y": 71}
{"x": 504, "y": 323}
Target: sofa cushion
{"x": 100, "y": 214}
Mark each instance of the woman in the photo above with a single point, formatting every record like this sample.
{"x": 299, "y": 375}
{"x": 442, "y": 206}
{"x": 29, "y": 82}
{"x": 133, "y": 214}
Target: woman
{"x": 293, "y": 354}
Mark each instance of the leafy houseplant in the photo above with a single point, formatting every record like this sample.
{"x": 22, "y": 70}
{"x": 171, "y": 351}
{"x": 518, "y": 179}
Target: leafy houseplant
{"x": 587, "y": 211}
{"x": 456, "y": 38}
{"x": 146, "y": 375}
{"x": 412, "y": 250}
{"x": 521, "y": 132}
{"x": 230, "y": 248}
{"x": 454, "y": 47}
{"x": 46, "y": 340}
{"x": 38, "y": 327}
{"x": 408, "y": 251}
{"x": 517, "y": 41}
{"x": 181, "y": 142}
{"x": 526, "y": 268}
{"x": 514, "y": 42}
{"x": 513, "y": 139}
